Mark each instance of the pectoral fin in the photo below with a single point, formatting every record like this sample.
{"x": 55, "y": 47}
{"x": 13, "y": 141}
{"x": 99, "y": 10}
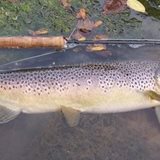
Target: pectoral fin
{"x": 71, "y": 115}
{"x": 153, "y": 95}
{"x": 7, "y": 115}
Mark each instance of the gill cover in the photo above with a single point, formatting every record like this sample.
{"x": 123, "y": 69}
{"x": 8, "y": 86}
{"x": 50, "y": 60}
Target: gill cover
{"x": 157, "y": 76}
{"x": 157, "y": 79}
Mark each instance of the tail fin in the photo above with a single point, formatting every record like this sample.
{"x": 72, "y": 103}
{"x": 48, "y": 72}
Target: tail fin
{"x": 157, "y": 110}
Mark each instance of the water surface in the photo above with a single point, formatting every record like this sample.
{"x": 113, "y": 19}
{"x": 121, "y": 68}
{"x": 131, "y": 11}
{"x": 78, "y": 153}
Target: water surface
{"x": 132, "y": 135}
{"x": 121, "y": 136}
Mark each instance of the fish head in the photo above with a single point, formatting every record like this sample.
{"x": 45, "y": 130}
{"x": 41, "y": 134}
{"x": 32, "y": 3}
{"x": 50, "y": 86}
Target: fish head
{"x": 157, "y": 78}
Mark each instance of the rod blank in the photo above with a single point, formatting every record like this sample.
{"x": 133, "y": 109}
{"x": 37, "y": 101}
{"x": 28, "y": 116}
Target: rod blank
{"x": 118, "y": 41}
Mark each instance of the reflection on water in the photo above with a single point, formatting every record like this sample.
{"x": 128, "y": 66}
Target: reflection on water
{"x": 132, "y": 135}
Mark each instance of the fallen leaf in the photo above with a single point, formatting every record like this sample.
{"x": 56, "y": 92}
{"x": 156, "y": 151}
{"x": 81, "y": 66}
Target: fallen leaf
{"x": 114, "y": 6}
{"x": 78, "y": 36}
{"x": 85, "y": 25}
{"x": 96, "y": 47}
{"x": 66, "y": 3}
{"x": 82, "y": 39}
{"x": 100, "y": 37}
{"x": 97, "y": 23}
{"x": 41, "y": 31}
{"x": 136, "y": 5}
{"x": 81, "y": 14}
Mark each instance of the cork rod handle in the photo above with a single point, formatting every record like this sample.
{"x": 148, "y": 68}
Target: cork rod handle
{"x": 32, "y": 42}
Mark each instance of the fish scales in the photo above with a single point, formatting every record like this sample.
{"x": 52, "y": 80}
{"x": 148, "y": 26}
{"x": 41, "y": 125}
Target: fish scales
{"x": 109, "y": 87}
{"x": 138, "y": 75}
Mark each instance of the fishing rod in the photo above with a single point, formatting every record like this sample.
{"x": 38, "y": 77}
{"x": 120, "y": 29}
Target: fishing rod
{"x": 61, "y": 42}
{"x": 117, "y": 41}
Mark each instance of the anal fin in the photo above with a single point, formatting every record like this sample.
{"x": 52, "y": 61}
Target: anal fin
{"x": 7, "y": 115}
{"x": 71, "y": 115}
{"x": 157, "y": 110}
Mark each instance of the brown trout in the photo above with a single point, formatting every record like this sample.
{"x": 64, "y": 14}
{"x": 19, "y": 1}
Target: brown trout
{"x": 117, "y": 86}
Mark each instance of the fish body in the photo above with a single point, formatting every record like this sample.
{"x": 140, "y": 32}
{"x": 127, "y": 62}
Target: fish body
{"x": 117, "y": 86}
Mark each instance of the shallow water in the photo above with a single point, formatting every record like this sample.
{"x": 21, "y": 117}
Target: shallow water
{"x": 132, "y": 135}
{"x": 121, "y": 136}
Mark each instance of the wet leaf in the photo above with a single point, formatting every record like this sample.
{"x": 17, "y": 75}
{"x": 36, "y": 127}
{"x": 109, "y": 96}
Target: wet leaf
{"x": 136, "y": 5}
{"x": 98, "y": 23}
{"x": 85, "y": 25}
{"x": 96, "y": 47}
{"x": 82, "y": 38}
{"x": 41, "y": 31}
{"x": 78, "y": 36}
{"x": 81, "y": 14}
{"x": 66, "y": 3}
{"x": 101, "y": 37}
{"x": 114, "y": 6}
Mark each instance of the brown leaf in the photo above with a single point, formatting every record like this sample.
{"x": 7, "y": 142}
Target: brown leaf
{"x": 81, "y": 14}
{"x": 41, "y": 31}
{"x": 82, "y": 39}
{"x": 96, "y": 47}
{"x": 78, "y": 36}
{"x": 66, "y": 3}
{"x": 97, "y": 23}
{"x": 85, "y": 25}
{"x": 114, "y": 6}
{"x": 100, "y": 37}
